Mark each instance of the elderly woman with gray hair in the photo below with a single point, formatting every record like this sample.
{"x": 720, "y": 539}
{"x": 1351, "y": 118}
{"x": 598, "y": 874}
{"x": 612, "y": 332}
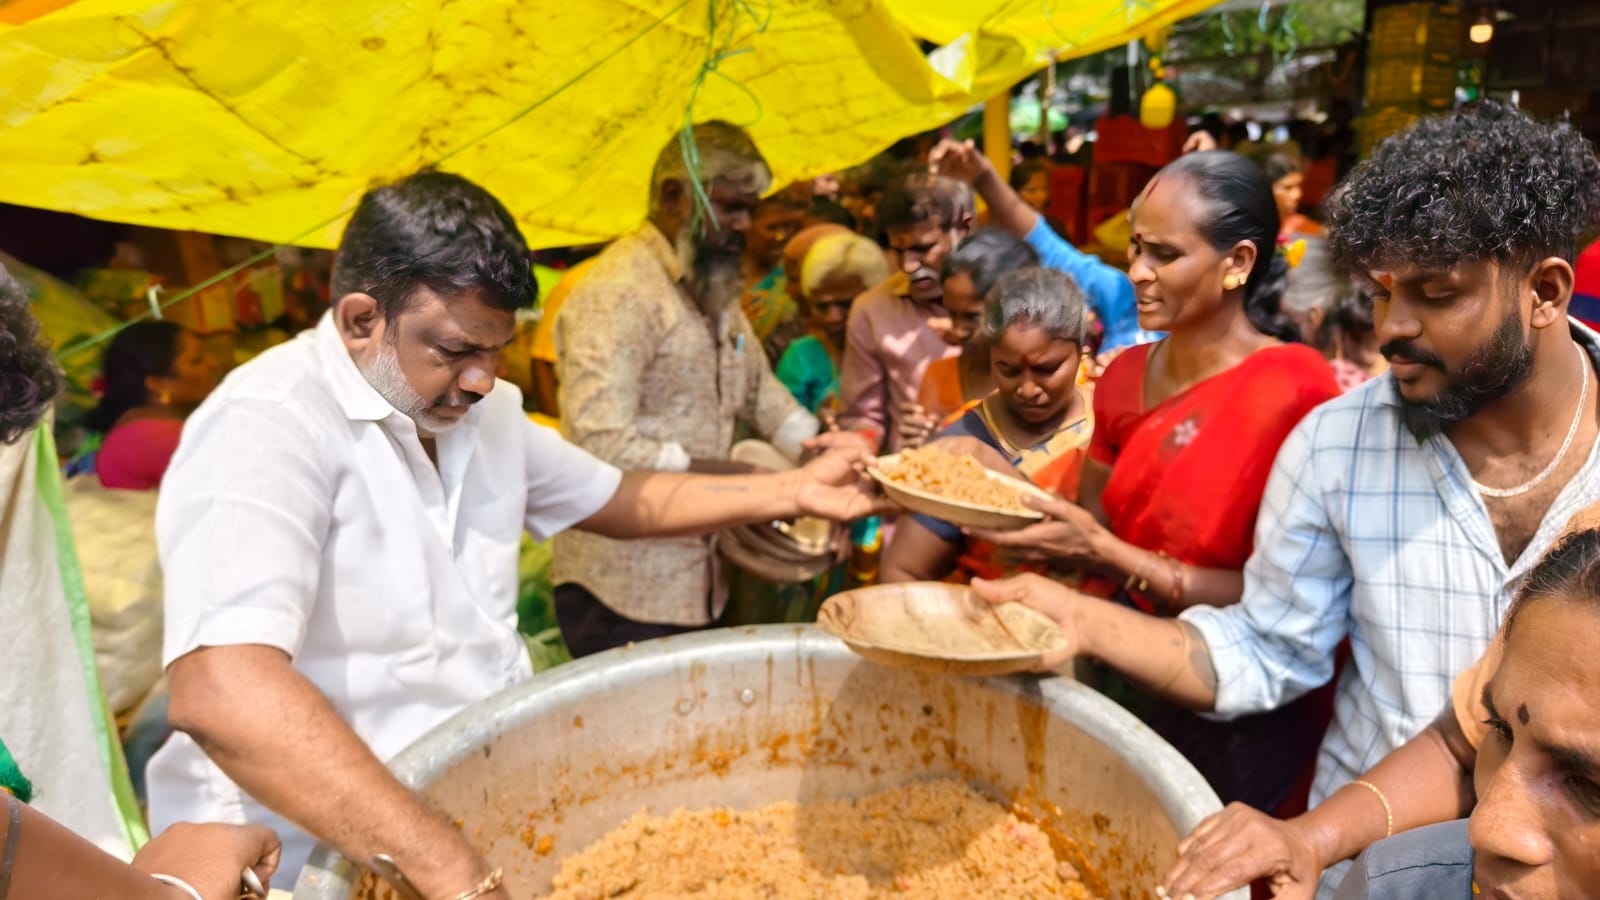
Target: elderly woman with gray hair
{"x": 1034, "y": 324}
{"x": 1334, "y": 316}
{"x": 837, "y": 268}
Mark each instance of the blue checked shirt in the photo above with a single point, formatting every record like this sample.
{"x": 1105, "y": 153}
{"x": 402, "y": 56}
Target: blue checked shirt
{"x": 1364, "y": 532}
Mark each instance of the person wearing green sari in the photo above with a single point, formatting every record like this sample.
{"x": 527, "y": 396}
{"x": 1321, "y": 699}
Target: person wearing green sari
{"x": 837, "y": 268}
{"x": 74, "y": 842}
{"x": 767, "y": 302}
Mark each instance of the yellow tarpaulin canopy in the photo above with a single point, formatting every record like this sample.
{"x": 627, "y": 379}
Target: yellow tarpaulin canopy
{"x": 268, "y": 118}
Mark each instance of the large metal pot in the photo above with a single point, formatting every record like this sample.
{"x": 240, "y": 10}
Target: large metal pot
{"x": 749, "y": 716}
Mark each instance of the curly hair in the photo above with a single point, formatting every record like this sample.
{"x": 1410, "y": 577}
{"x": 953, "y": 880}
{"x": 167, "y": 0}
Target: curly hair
{"x": 1487, "y": 182}
{"x": 29, "y": 378}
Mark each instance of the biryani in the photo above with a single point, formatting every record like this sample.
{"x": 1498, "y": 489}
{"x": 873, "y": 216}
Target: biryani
{"x": 960, "y": 478}
{"x": 935, "y": 839}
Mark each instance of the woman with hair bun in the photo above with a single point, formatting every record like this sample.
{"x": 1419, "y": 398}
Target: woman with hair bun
{"x": 1186, "y": 430}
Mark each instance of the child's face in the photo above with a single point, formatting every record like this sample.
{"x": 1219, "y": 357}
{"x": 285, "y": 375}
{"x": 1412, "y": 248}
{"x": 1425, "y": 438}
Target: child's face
{"x": 961, "y": 300}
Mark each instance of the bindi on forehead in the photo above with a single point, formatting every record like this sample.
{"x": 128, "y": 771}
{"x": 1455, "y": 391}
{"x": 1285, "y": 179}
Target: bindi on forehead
{"x": 1522, "y": 714}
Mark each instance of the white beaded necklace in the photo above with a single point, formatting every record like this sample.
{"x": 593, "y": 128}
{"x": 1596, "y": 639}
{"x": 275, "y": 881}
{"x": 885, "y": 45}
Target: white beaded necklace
{"x": 1572, "y": 431}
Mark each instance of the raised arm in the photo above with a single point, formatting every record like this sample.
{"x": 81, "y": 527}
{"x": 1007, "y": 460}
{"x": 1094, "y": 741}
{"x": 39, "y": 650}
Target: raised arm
{"x": 1107, "y": 288}
{"x": 963, "y": 162}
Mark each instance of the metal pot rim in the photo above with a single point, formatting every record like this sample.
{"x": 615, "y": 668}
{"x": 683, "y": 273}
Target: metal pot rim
{"x": 1183, "y": 794}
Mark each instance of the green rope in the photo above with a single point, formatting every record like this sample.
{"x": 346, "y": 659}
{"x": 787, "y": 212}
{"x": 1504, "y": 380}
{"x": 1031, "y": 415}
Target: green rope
{"x": 717, "y": 52}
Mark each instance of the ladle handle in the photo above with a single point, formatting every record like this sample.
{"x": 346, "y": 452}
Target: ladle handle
{"x": 389, "y": 872}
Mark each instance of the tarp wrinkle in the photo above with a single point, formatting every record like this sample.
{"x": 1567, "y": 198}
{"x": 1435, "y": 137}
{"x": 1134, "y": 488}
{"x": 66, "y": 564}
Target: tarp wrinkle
{"x": 269, "y": 118}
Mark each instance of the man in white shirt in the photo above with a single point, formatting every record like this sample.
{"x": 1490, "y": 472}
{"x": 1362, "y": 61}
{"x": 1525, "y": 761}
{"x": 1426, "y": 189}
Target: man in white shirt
{"x": 340, "y": 528}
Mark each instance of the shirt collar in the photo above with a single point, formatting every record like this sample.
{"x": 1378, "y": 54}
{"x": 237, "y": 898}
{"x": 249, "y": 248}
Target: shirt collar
{"x": 359, "y": 400}
{"x": 662, "y": 249}
{"x": 659, "y": 247}
{"x": 1586, "y": 337}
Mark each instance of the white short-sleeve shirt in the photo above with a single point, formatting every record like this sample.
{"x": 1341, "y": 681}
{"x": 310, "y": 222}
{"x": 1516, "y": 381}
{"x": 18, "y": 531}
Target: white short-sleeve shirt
{"x": 301, "y": 512}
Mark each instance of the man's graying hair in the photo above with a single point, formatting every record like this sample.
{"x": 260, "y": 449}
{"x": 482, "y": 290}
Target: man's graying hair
{"x": 725, "y": 151}
{"x": 1038, "y": 297}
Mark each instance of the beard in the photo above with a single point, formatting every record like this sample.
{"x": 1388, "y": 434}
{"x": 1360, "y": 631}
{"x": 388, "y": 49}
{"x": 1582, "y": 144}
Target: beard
{"x": 716, "y": 275}
{"x": 1493, "y": 370}
{"x": 382, "y": 370}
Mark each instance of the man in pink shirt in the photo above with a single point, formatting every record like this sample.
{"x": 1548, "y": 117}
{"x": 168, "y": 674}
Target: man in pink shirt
{"x": 899, "y": 327}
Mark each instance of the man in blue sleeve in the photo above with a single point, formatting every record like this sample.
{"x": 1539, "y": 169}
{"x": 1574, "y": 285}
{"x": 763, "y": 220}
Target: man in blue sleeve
{"x": 1107, "y": 288}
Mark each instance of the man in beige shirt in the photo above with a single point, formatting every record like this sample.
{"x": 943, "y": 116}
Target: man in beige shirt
{"x": 656, "y": 363}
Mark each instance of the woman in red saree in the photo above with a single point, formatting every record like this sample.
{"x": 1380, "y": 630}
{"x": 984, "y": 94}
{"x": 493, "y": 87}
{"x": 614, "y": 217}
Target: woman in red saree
{"x": 1186, "y": 431}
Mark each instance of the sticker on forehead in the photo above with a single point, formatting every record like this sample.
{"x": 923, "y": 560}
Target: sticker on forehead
{"x": 1384, "y": 280}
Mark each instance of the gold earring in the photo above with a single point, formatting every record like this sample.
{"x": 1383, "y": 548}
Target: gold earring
{"x": 1230, "y": 283}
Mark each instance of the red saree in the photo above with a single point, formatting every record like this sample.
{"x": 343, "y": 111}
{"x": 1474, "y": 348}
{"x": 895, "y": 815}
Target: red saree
{"x": 1187, "y": 477}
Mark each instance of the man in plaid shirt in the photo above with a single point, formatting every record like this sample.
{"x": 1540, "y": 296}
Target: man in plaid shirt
{"x": 1404, "y": 514}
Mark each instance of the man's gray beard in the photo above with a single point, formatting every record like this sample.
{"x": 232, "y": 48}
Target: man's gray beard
{"x": 383, "y": 372}
{"x": 716, "y": 279}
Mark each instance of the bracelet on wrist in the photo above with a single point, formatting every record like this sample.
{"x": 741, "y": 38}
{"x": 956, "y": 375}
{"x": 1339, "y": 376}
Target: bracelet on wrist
{"x": 1388, "y": 811}
{"x": 488, "y": 885}
{"x": 1175, "y": 571}
{"x": 1139, "y": 578}
{"x": 179, "y": 883}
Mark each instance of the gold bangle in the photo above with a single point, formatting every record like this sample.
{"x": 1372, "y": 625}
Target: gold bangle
{"x": 1388, "y": 813}
{"x": 488, "y": 885}
{"x": 1141, "y": 575}
{"x": 1183, "y": 658}
{"x": 1175, "y": 568}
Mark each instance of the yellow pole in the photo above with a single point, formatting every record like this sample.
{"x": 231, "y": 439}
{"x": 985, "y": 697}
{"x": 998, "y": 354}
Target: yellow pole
{"x": 997, "y": 132}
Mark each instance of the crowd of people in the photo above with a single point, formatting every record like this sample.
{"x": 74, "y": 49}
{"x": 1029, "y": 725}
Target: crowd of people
{"x": 1306, "y": 475}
